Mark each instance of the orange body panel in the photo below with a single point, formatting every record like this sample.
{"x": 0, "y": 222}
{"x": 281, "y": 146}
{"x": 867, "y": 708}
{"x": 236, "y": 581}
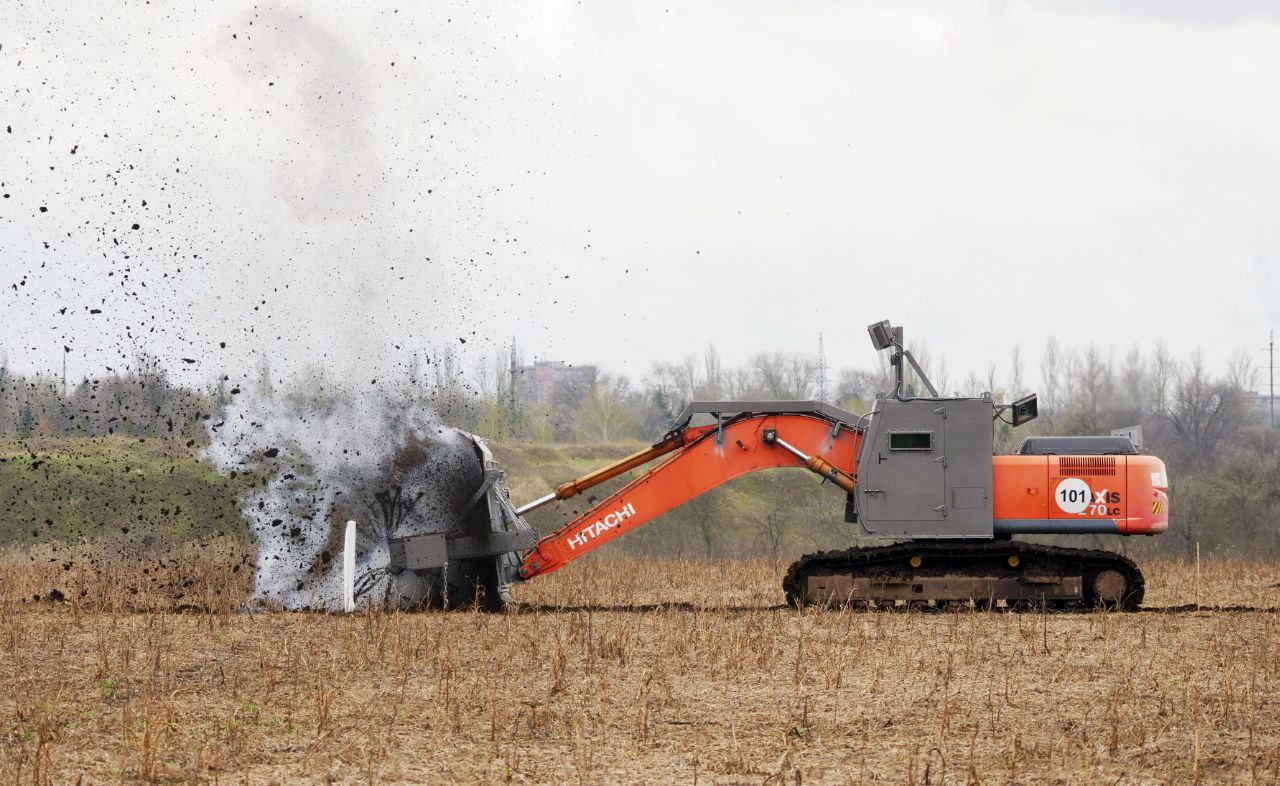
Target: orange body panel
{"x": 1130, "y": 490}
{"x": 1020, "y": 487}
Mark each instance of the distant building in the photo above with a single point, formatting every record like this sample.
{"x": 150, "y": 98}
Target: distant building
{"x": 553, "y": 382}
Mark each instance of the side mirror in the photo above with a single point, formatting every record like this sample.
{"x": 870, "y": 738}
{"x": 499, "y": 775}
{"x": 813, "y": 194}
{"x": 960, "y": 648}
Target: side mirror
{"x": 1025, "y": 410}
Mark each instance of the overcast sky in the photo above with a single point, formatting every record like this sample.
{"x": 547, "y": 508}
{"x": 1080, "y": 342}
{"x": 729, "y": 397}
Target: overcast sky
{"x": 622, "y": 183}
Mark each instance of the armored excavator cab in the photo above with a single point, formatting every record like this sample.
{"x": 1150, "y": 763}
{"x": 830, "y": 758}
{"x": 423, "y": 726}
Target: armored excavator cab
{"x": 918, "y": 472}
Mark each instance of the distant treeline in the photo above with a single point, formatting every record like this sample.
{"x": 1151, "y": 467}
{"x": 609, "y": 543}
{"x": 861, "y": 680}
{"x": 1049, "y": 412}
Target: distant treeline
{"x": 1211, "y": 429}
{"x": 138, "y": 401}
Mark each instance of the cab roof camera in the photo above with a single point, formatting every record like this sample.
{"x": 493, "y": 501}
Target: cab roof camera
{"x": 1025, "y": 410}
{"x": 881, "y": 334}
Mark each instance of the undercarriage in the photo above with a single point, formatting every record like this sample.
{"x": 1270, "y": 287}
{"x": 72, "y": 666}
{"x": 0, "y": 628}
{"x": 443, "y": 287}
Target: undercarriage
{"x": 984, "y": 573}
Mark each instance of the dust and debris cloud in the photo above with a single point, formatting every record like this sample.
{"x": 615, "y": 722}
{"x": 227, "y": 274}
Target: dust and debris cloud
{"x": 318, "y": 460}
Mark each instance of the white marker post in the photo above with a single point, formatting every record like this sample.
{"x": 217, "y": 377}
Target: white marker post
{"x": 349, "y": 568}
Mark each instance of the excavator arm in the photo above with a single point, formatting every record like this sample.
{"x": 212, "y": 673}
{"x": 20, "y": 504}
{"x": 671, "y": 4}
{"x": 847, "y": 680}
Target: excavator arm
{"x": 698, "y": 459}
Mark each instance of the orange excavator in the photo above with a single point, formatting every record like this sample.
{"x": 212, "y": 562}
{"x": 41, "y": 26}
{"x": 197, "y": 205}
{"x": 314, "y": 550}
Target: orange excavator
{"x": 918, "y": 471}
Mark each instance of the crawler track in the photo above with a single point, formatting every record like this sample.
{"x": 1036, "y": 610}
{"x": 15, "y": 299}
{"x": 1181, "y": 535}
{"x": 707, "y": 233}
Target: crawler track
{"x": 983, "y": 572}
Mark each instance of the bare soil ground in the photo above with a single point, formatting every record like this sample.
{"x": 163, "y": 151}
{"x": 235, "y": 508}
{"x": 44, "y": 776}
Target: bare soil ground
{"x": 628, "y": 671}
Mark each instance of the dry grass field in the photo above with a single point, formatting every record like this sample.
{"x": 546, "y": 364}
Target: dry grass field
{"x": 628, "y": 671}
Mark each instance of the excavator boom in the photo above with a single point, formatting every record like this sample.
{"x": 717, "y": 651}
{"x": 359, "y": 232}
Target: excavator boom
{"x": 703, "y": 457}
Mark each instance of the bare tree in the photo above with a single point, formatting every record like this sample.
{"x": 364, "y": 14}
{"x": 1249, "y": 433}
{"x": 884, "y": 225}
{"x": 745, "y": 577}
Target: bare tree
{"x": 604, "y": 415}
{"x": 566, "y": 400}
{"x": 1015, "y": 372}
{"x": 1203, "y": 413}
{"x": 857, "y": 388}
{"x": 1163, "y": 370}
{"x": 1132, "y": 388}
{"x": 786, "y": 376}
{"x": 771, "y": 369}
{"x": 939, "y": 376}
{"x": 679, "y": 382}
{"x": 451, "y": 395}
{"x": 1090, "y": 393}
{"x": 1242, "y": 373}
{"x": 741, "y": 384}
{"x": 1050, "y": 376}
{"x": 712, "y": 387}
{"x": 934, "y": 367}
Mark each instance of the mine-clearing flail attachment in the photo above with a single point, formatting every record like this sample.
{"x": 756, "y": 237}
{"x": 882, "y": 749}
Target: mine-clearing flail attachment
{"x": 473, "y": 564}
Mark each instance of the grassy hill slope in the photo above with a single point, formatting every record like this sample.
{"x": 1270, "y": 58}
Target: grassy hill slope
{"x": 148, "y": 490}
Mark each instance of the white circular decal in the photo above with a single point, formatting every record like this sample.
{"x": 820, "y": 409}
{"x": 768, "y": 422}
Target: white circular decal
{"x": 1073, "y": 495}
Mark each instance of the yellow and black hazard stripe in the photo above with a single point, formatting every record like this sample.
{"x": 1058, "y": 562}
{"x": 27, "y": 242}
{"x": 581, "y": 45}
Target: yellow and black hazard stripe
{"x": 1156, "y": 507}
